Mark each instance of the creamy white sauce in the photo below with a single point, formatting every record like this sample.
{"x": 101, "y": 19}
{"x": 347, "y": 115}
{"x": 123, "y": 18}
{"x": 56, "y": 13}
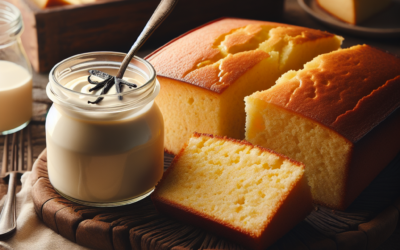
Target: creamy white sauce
{"x": 104, "y": 160}
{"x": 82, "y": 85}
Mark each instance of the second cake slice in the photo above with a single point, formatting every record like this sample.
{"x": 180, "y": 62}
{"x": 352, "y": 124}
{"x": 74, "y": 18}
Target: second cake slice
{"x": 246, "y": 193}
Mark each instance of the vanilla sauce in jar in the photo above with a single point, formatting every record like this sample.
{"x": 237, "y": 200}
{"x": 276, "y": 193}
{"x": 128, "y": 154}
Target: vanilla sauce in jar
{"x": 110, "y": 153}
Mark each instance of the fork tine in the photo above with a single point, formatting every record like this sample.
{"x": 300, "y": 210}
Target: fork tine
{"x": 21, "y": 151}
{"x": 5, "y": 157}
{"x": 13, "y": 152}
{"x": 29, "y": 154}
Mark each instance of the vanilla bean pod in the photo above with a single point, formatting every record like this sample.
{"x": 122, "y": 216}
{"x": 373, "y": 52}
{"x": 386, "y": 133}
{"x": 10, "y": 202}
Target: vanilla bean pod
{"x": 99, "y": 74}
{"x": 106, "y": 85}
{"x": 99, "y": 85}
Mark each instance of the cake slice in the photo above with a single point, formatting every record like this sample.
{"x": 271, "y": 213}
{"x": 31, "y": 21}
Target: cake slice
{"x": 248, "y": 194}
{"x": 353, "y": 11}
{"x": 339, "y": 116}
{"x": 206, "y": 73}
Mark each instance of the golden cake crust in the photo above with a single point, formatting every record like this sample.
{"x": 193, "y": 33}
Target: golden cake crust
{"x": 325, "y": 95}
{"x": 178, "y": 60}
{"x": 218, "y": 78}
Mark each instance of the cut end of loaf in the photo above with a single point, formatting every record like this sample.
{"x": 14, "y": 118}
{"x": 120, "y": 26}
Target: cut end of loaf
{"x": 324, "y": 152}
{"x": 316, "y": 115}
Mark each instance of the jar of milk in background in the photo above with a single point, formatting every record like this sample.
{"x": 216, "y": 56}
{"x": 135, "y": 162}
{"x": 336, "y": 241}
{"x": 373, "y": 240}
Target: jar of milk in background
{"x": 15, "y": 73}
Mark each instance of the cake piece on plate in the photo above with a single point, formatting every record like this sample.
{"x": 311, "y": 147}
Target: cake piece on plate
{"x": 339, "y": 116}
{"x": 206, "y": 73}
{"x": 353, "y": 11}
{"x": 248, "y": 194}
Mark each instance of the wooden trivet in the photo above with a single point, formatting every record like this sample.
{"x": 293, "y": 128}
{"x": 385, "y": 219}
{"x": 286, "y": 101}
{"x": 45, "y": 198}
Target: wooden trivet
{"x": 365, "y": 225}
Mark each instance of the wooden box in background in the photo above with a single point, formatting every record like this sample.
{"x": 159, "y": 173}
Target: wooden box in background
{"x": 56, "y": 33}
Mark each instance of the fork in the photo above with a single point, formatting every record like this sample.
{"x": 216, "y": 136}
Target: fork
{"x": 8, "y": 214}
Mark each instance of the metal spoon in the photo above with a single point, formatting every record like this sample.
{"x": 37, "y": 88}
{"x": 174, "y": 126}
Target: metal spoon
{"x": 160, "y": 14}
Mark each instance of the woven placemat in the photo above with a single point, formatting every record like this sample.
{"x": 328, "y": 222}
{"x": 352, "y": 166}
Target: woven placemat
{"x": 366, "y": 224}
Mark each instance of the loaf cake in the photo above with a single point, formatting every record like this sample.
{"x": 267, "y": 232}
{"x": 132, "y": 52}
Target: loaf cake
{"x": 339, "y": 116}
{"x": 353, "y": 11}
{"x": 206, "y": 73}
{"x": 242, "y": 192}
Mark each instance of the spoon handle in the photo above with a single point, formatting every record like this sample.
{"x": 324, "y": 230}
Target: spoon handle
{"x": 163, "y": 10}
{"x": 8, "y": 217}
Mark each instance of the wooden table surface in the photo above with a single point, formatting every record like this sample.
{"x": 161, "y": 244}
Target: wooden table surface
{"x": 293, "y": 15}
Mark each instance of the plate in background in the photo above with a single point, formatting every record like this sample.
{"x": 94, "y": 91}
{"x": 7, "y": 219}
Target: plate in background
{"x": 385, "y": 24}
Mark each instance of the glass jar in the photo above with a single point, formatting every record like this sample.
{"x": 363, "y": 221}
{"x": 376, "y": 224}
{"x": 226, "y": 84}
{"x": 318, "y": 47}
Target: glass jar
{"x": 106, "y": 154}
{"x": 15, "y": 73}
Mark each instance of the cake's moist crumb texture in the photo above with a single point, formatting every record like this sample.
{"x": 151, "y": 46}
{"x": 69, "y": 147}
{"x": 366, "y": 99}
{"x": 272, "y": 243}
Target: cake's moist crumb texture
{"x": 230, "y": 59}
{"x": 319, "y": 114}
{"x": 324, "y": 152}
{"x": 242, "y": 188}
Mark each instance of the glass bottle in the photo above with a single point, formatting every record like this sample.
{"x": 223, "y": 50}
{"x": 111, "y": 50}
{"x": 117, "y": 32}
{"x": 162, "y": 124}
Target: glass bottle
{"x": 15, "y": 73}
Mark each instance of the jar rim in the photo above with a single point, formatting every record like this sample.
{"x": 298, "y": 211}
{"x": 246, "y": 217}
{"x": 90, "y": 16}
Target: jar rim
{"x": 150, "y": 88}
{"x": 150, "y": 67}
{"x": 10, "y": 20}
